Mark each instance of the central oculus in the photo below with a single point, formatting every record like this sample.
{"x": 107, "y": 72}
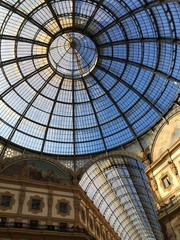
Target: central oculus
{"x": 73, "y": 55}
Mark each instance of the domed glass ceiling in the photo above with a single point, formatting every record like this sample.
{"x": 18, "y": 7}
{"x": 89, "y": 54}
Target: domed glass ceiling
{"x": 79, "y": 77}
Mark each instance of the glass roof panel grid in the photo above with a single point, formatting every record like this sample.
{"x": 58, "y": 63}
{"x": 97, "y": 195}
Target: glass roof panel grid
{"x": 5, "y": 129}
{"x": 42, "y": 116}
{"x": 165, "y": 59}
{"x": 111, "y": 127}
{"x": 125, "y": 135}
{"x": 52, "y": 147}
{"x": 171, "y": 89}
{"x": 84, "y": 8}
{"x": 128, "y": 100}
{"x": 132, "y": 4}
{"x": 66, "y": 122}
{"x": 131, "y": 28}
{"x": 62, "y": 7}
{"x": 8, "y": 50}
{"x": 85, "y": 122}
{"x": 135, "y": 52}
{"x": 89, "y": 147}
{"x": 18, "y": 105}
{"x": 174, "y": 6}
{"x": 45, "y": 17}
{"x": 116, "y": 7}
{"x": 103, "y": 17}
{"x": 113, "y": 54}
{"x": 162, "y": 21}
{"x": 130, "y": 74}
{"x": 118, "y": 91}
{"x": 59, "y": 135}
{"x": 87, "y": 135}
{"x": 28, "y": 5}
{"x": 142, "y": 81}
{"x": 102, "y": 38}
{"x": 146, "y": 25}
{"x": 150, "y": 54}
{"x": 115, "y": 33}
{"x": 122, "y": 210}
{"x": 31, "y": 128}
{"x": 138, "y": 111}
{"x": 9, "y": 116}
{"x": 9, "y": 27}
{"x": 27, "y": 141}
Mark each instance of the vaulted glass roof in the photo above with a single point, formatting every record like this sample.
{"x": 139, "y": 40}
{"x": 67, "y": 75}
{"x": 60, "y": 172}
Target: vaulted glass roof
{"x": 80, "y": 77}
{"x": 119, "y": 188}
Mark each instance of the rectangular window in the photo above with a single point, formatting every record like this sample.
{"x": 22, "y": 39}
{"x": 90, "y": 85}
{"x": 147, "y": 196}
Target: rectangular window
{"x": 166, "y": 182}
{"x": 5, "y": 200}
{"x": 18, "y": 224}
{"x": 63, "y": 207}
{"x": 50, "y": 227}
{"x": 34, "y": 224}
{"x": 63, "y": 225}
{"x": 2, "y": 221}
{"x": 36, "y": 204}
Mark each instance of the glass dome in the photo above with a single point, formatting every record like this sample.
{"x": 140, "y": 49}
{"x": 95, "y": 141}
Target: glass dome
{"x": 72, "y": 55}
{"x": 81, "y": 77}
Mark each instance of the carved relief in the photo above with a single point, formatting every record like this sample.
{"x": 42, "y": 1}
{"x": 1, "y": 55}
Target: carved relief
{"x": 50, "y": 200}
{"x": 21, "y": 197}
{"x": 91, "y": 225}
{"x": 173, "y": 167}
{"x": 153, "y": 183}
{"x": 83, "y": 215}
{"x": 154, "y": 187}
{"x": 147, "y": 156}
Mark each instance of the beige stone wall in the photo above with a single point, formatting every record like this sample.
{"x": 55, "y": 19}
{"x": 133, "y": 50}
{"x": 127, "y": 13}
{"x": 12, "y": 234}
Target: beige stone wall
{"x": 94, "y": 221}
{"x": 81, "y": 214}
{"x": 166, "y": 162}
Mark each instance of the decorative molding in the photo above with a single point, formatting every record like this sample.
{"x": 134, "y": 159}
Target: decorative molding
{"x": 22, "y": 194}
{"x": 91, "y": 224}
{"x": 12, "y": 201}
{"x": 83, "y": 215}
{"x": 164, "y": 157}
{"x": 29, "y": 203}
{"x": 170, "y": 179}
{"x": 153, "y": 183}
{"x": 173, "y": 167}
{"x": 65, "y": 213}
{"x": 98, "y": 231}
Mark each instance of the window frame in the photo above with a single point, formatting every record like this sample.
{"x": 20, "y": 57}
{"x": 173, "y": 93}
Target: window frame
{"x": 164, "y": 176}
{"x": 11, "y": 202}
{"x": 41, "y": 206}
{"x": 63, "y": 213}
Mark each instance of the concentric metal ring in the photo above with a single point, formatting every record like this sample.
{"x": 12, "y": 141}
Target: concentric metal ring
{"x": 98, "y": 101}
{"x": 73, "y": 55}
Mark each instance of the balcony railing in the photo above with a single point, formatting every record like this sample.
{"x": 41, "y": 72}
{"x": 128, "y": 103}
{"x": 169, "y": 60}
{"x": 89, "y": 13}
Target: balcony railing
{"x": 45, "y": 227}
{"x": 173, "y": 202}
